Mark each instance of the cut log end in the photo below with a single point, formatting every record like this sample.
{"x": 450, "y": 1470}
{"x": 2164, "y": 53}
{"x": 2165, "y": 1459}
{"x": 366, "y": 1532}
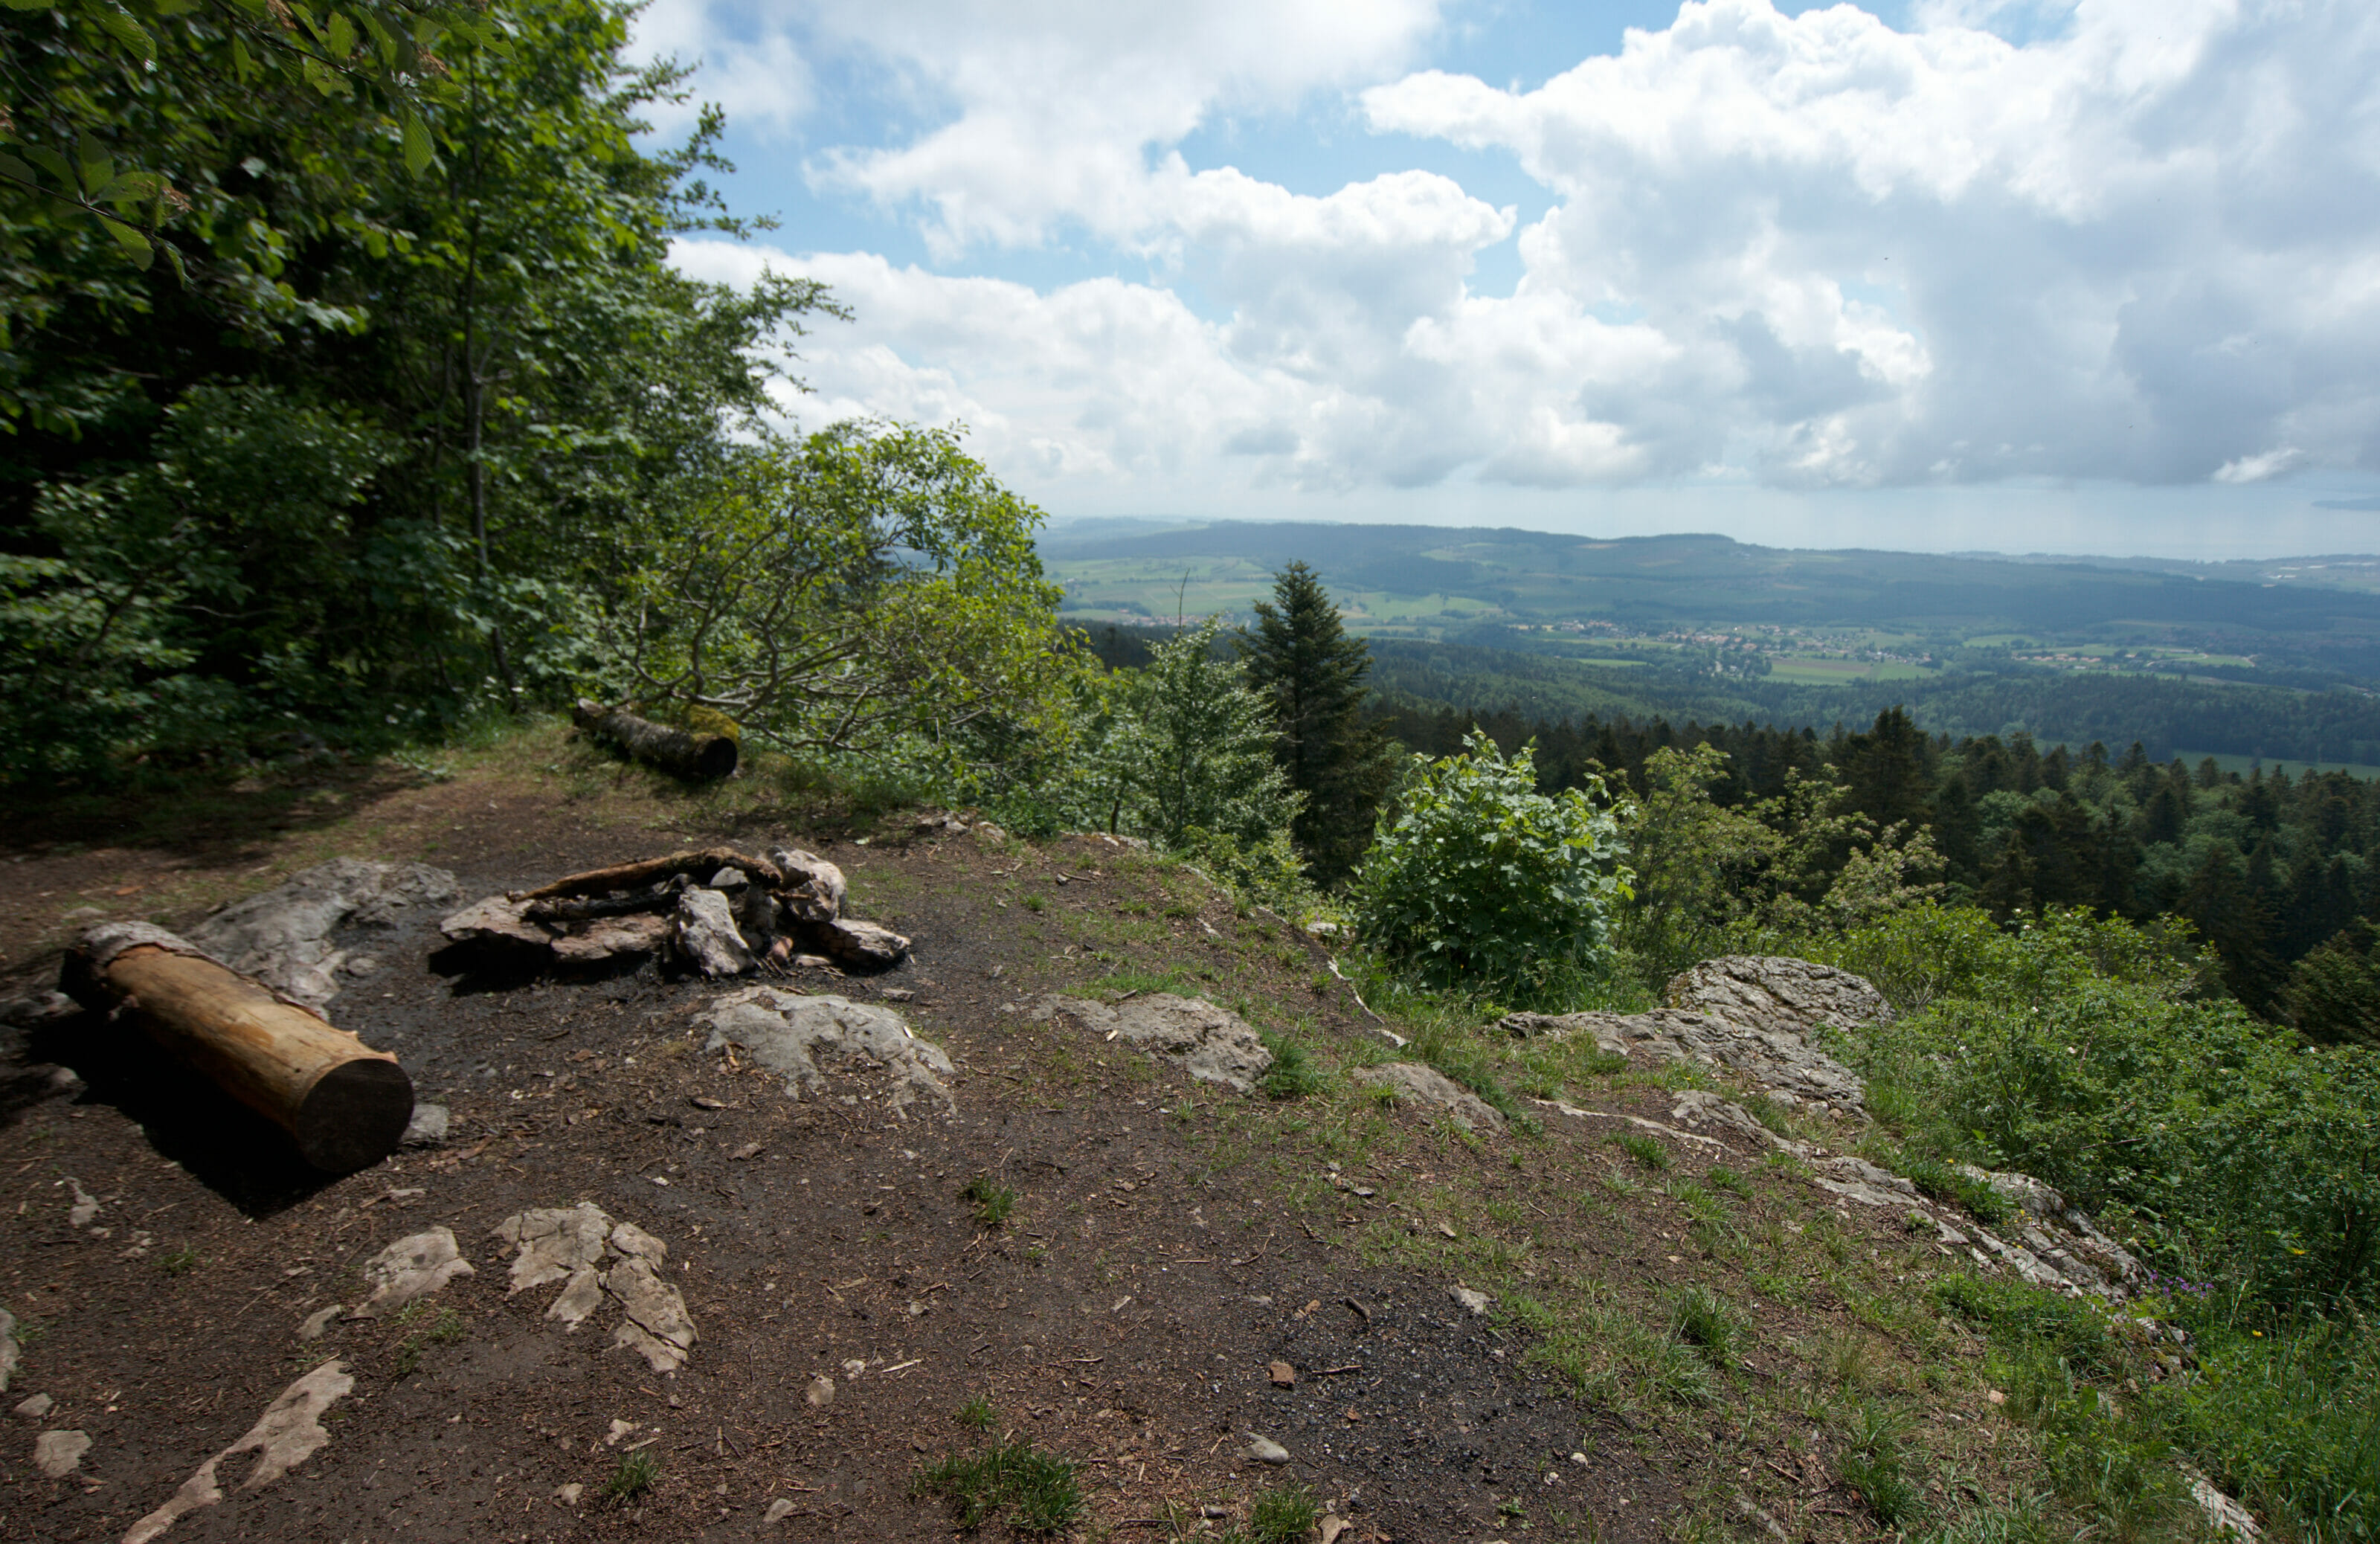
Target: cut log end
{"x": 353, "y": 1115}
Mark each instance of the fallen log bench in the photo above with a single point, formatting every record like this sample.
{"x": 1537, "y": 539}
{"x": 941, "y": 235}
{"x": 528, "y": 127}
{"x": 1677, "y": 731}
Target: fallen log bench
{"x": 344, "y": 1104}
{"x": 694, "y": 757}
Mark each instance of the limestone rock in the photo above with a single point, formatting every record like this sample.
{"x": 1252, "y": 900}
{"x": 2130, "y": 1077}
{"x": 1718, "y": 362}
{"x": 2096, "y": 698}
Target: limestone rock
{"x": 598, "y": 1260}
{"x": 1427, "y": 1085}
{"x": 1209, "y": 1044}
{"x": 703, "y": 934}
{"x": 865, "y": 945}
{"x": 814, "y": 889}
{"x": 612, "y": 938}
{"x": 1264, "y": 1450}
{"x": 806, "y": 1038}
{"x": 10, "y": 1351}
{"x": 36, "y": 1407}
{"x": 1772, "y": 992}
{"x": 281, "y": 937}
{"x": 498, "y": 923}
{"x": 582, "y": 1295}
{"x": 427, "y": 1128}
{"x": 1782, "y": 1062}
{"x": 655, "y": 1321}
{"x": 1700, "y": 1110}
{"x": 1475, "y": 1303}
{"x": 59, "y": 1454}
{"x": 287, "y": 1434}
{"x": 40, "y": 1006}
{"x": 552, "y": 1243}
{"x": 412, "y": 1268}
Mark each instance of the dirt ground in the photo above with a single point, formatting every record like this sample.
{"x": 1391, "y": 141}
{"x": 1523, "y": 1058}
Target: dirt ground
{"x": 1170, "y": 1240}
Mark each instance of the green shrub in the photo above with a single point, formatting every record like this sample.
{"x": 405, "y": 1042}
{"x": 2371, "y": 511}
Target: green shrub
{"x": 2021, "y": 1315}
{"x": 1872, "y": 1467}
{"x": 1943, "y": 1182}
{"x": 634, "y": 1476}
{"x": 1477, "y": 878}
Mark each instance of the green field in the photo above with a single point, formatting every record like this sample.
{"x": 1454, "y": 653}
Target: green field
{"x": 1828, "y": 673}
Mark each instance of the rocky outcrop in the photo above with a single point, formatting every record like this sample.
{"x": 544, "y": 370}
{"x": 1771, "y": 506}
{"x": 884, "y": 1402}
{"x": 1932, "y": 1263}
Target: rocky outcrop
{"x": 807, "y": 1038}
{"x": 598, "y": 1260}
{"x": 1760, "y": 1018}
{"x": 1777, "y": 995}
{"x": 1412, "y": 1082}
{"x": 1784, "y": 1064}
{"x": 281, "y": 937}
{"x": 1209, "y": 1044}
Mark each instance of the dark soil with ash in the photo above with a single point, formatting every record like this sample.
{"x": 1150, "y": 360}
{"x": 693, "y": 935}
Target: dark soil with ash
{"x": 1125, "y": 1314}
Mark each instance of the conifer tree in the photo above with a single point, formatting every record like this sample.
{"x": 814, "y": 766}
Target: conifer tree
{"x": 1302, "y": 662}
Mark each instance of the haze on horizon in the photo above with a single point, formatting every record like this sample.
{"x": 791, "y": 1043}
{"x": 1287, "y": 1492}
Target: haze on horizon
{"x": 2023, "y": 275}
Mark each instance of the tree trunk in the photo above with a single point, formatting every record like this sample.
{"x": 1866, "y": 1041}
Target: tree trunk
{"x": 696, "y": 759}
{"x": 344, "y": 1104}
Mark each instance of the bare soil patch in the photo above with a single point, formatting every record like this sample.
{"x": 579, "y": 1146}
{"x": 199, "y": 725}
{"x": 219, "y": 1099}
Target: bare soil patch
{"x": 1168, "y": 1241}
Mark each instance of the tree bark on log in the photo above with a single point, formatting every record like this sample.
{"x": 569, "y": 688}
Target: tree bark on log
{"x": 344, "y": 1104}
{"x": 701, "y": 863}
{"x": 694, "y": 757}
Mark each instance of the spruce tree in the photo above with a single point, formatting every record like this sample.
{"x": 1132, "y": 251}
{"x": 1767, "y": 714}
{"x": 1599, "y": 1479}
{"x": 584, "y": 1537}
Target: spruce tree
{"x": 1302, "y": 662}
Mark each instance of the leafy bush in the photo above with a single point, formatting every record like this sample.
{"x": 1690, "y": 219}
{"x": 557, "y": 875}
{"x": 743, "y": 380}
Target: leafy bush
{"x": 1475, "y": 877}
{"x": 2078, "y": 1051}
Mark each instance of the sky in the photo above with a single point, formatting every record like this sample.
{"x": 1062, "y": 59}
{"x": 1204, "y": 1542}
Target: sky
{"x": 2043, "y": 275}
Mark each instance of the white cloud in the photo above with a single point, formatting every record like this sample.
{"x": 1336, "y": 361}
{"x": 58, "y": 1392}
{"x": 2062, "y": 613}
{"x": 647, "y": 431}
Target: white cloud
{"x": 1054, "y": 107}
{"x": 744, "y": 64}
{"x": 2135, "y": 249}
{"x": 1812, "y": 251}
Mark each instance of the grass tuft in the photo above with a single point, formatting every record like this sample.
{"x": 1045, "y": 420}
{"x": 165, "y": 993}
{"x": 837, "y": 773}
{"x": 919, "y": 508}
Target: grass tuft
{"x": 1039, "y": 1492}
{"x": 1295, "y": 1073}
{"x": 1706, "y": 1321}
{"x": 634, "y": 1476}
{"x": 1645, "y": 1147}
{"x": 993, "y": 1201}
{"x": 1283, "y": 1516}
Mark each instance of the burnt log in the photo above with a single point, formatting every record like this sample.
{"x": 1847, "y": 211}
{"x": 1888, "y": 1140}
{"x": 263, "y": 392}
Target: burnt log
{"x": 344, "y": 1104}
{"x": 699, "y": 864}
{"x": 694, "y": 757}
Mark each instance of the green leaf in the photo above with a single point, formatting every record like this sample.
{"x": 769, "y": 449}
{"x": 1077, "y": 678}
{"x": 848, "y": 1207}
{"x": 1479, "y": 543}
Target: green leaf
{"x": 132, "y": 187}
{"x": 135, "y": 246}
{"x": 12, "y": 167}
{"x": 118, "y": 23}
{"x": 58, "y": 165}
{"x": 340, "y": 39}
{"x": 28, "y": 5}
{"x": 243, "y": 64}
{"x": 417, "y": 144}
{"x": 98, "y": 169}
